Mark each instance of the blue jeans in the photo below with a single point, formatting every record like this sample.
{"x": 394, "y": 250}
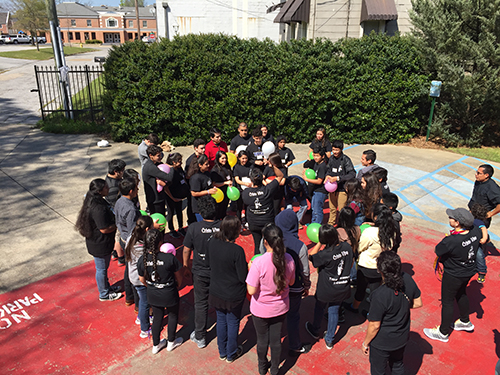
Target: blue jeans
{"x": 481, "y": 261}
{"x": 333, "y": 318}
{"x": 101, "y": 275}
{"x": 228, "y": 326}
{"x": 302, "y": 210}
{"x": 317, "y": 203}
{"x": 143, "y": 307}
{"x": 293, "y": 321}
{"x": 354, "y": 272}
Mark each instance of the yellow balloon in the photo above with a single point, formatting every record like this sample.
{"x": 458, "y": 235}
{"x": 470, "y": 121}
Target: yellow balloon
{"x": 231, "y": 159}
{"x": 218, "y": 196}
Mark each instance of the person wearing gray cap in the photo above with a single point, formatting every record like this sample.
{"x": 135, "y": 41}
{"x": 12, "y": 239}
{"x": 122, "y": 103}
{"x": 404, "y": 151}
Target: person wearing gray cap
{"x": 457, "y": 252}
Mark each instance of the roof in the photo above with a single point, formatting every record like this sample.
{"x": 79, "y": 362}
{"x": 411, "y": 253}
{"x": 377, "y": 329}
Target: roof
{"x": 378, "y": 10}
{"x": 4, "y": 17}
{"x": 75, "y": 9}
{"x": 294, "y": 11}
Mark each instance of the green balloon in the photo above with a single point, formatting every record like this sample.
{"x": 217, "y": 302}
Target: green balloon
{"x": 143, "y": 213}
{"x": 310, "y": 173}
{"x": 255, "y": 256}
{"x": 313, "y": 232}
{"x": 233, "y": 193}
{"x": 364, "y": 226}
{"x": 311, "y": 156}
{"x": 161, "y": 220}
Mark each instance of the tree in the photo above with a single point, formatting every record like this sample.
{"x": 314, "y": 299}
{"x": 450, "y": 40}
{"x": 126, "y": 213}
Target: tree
{"x": 131, "y": 3}
{"x": 459, "y": 41}
{"x": 32, "y": 16}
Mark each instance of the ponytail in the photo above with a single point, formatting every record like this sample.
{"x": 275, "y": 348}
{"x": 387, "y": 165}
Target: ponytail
{"x": 152, "y": 242}
{"x": 274, "y": 237}
{"x": 143, "y": 224}
{"x": 389, "y": 266}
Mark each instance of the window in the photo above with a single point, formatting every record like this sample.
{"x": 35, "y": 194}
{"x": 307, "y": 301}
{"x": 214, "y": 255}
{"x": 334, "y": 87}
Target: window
{"x": 129, "y": 36}
{"x": 111, "y": 22}
{"x": 77, "y": 36}
{"x": 70, "y": 35}
{"x": 89, "y": 23}
{"x": 144, "y": 23}
{"x": 73, "y": 22}
{"x": 86, "y": 36}
{"x": 130, "y": 23}
{"x": 93, "y": 36}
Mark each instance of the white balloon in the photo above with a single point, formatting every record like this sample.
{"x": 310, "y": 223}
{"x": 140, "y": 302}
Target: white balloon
{"x": 268, "y": 148}
{"x": 240, "y": 148}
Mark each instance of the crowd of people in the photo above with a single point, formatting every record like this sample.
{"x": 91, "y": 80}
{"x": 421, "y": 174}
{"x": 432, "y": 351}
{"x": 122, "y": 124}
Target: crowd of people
{"x": 356, "y": 248}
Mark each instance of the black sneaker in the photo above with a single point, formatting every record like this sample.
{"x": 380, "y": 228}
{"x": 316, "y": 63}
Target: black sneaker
{"x": 329, "y": 345}
{"x": 121, "y": 261}
{"x": 238, "y": 354}
{"x": 114, "y": 255}
{"x": 112, "y": 296}
{"x": 310, "y": 330}
{"x": 304, "y": 348}
{"x": 341, "y": 315}
{"x": 174, "y": 234}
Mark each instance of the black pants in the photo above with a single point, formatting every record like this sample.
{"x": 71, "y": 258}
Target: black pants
{"x": 453, "y": 288}
{"x": 367, "y": 277}
{"x": 157, "y": 207}
{"x": 201, "y": 286}
{"x": 257, "y": 236}
{"x": 174, "y": 208}
{"x": 268, "y": 336}
{"x": 379, "y": 359}
{"x": 158, "y": 314}
{"x": 127, "y": 285}
{"x": 190, "y": 214}
{"x": 240, "y": 207}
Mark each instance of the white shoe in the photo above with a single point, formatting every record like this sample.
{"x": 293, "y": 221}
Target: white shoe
{"x": 174, "y": 344}
{"x": 160, "y": 346}
{"x": 435, "y": 334}
{"x": 461, "y": 326}
{"x": 137, "y": 321}
{"x": 144, "y": 334}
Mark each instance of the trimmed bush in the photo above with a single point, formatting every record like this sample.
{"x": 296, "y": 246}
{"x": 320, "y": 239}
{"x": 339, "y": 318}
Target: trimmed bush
{"x": 360, "y": 90}
{"x": 93, "y": 41}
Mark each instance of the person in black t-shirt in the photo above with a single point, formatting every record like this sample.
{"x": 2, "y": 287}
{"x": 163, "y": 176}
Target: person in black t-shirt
{"x": 286, "y": 155}
{"x": 199, "y": 149}
{"x": 200, "y": 182}
{"x": 242, "y": 139}
{"x": 222, "y": 177}
{"x": 322, "y": 141}
{"x": 151, "y": 177}
{"x": 162, "y": 275}
{"x": 116, "y": 168}
{"x": 241, "y": 174}
{"x": 486, "y": 192}
{"x": 389, "y": 317}
{"x": 457, "y": 252}
{"x": 316, "y": 188}
{"x": 334, "y": 267}
{"x": 259, "y": 201}
{"x": 269, "y": 175}
{"x": 254, "y": 150}
{"x": 266, "y": 136}
{"x": 96, "y": 222}
{"x": 175, "y": 193}
{"x": 197, "y": 238}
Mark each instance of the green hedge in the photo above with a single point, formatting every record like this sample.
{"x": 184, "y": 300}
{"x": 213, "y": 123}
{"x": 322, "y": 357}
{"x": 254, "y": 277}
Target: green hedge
{"x": 93, "y": 41}
{"x": 362, "y": 90}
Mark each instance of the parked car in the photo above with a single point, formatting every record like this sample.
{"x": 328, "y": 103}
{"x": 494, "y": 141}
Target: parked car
{"x": 5, "y": 39}
{"x": 20, "y": 38}
{"x": 40, "y": 39}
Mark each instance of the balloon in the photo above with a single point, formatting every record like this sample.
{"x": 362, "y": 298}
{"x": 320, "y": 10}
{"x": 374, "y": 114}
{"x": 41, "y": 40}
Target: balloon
{"x": 331, "y": 186}
{"x": 164, "y": 168}
{"x": 143, "y": 213}
{"x": 161, "y": 220}
{"x": 231, "y": 159}
{"x": 311, "y": 157}
{"x": 255, "y": 256}
{"x": 245, "y": 179}
{"x": 240, "y": 148}
{"x": 310, "y": 173}
{"x": 233, "y": 193}
{"x": 313, "y": 232}
{"x": 168, "y": 248}
{"x": 268, "y": 148}
{"x": 364, "y": 226}
{"x": 218, "y": 196}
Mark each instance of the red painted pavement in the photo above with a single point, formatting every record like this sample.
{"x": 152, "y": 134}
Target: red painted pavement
{"x": 58, "y": 325}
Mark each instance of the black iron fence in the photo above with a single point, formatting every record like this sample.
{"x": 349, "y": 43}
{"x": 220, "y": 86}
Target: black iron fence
{"x": 75, "y": 92}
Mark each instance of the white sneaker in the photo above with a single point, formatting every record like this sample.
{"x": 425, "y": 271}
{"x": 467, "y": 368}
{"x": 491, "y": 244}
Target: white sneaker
{"x": 160, "y": 346}
{"x": 137, "y": 321}
{"x": 144, "y": 334}
{"x": 112, "y": 296}
{"x": 461, "y": 326}
{"x": 435, "y": 334}
{"x": 174, "y": 344}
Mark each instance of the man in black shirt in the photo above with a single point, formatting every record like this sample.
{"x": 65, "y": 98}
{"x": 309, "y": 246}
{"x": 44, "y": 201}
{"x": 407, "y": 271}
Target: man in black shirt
{"x": 199, "y": 149}
{"x": 150, "y": 173}
{"x": 242, "y": 139}
{"x": 255, "y": 150}
{"x": 197, "y": 238}
{"x": 486, "y": 192}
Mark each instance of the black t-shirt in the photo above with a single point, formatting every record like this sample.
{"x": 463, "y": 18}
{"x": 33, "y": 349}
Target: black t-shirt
{"x": 199, "y": 182}
{"x": 255, "y": 153}
{"x": 150, "y": 173}
{"x": 114, "y": 190}
{"x": 179, "y": 188}
{"x": 486, "y": 193}
{"x": 392, "y": 309}
{"x": 334, "y": 267}
{"x": 269, "y": 172}
{"x": 197, "y": 238}
{"x": 286, "y": 155}
{"x": 220, "y": 175}
{"x": 458, "y": 253}
{"x": 100, "y": 244}
{"x": 240, "y": 141}
{"x": 327, "y": 146}
{"x": 259, "y": 203}
{"x": 321, "y": 171}
{"x": 162, "y": 287}
{"x": 241, "y": 171}
{"x": 228, "y": 270}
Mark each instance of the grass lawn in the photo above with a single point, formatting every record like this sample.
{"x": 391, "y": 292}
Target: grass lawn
{"x": 485, "y": 153}
{"x": 43, "y": 54}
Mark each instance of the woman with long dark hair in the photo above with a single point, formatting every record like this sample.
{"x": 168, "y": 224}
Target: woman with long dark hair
{"x": 374, "y": 240}
{"x": 200, "y": 182}
{"x": 389, "y": 317}
{"x": 96, "y": 222}
{"x": 222, "y": 177}
{"x": 355, "y": 197}
{"x": 349, "y": 232}
{"x": 372, "y": 193}
{"x": 228, "y": 271}
{"x": 162, "y": 275}
{"x": 321, "y": 140}
{"x": 176, "y": 192}
{"x": 268, "y": 283}
{"x": 241, "y": 174}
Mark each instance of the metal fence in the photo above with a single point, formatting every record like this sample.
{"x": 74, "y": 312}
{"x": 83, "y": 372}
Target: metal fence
{"x": 83, "y": 84}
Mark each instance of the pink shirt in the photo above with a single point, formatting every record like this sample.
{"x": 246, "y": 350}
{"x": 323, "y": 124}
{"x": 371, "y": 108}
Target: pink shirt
{"x": 265, "y": 303}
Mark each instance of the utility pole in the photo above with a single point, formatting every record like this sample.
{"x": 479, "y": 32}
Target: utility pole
{"x": 137, "y": 20}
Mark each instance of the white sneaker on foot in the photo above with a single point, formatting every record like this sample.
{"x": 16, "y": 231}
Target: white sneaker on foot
{"x": 144, "y": 334}
{"x": 435, "y": 334}
{"x": 174, "y": 344}
{"x": 137, "y": 321}
{"x": 461, "y": 326}
{"x": 160, "y": 346}
{"x": 112, "y": 296}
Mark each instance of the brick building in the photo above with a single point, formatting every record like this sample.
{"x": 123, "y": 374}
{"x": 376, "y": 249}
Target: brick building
{"x": 5, "y": 21}
{"x": 108, "y": 24}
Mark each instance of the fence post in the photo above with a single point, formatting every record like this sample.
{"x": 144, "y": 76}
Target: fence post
{"x": 39, "y": 92}
{"x": 89, "y": 92}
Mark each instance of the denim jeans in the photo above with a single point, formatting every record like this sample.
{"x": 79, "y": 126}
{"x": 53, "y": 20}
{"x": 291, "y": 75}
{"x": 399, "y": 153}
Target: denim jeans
{"x": 228, "y": 326}
{"x": 143, "y": 307}
{"x": 317, "y": 203}
{"x": 293, "y": 321}
{"x": 333, "y": 318}
{"x": 101, "y": 275}
{"x": 302, "y": 210}
{"x": 481, "y": 261}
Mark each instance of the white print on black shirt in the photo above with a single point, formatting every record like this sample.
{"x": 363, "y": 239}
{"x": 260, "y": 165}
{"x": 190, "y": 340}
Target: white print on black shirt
{"x": 469, "y": 241}
{"x": 14, "y": 311}
{"x": 257, "y": 204}
{"x": 340, "y": 267}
